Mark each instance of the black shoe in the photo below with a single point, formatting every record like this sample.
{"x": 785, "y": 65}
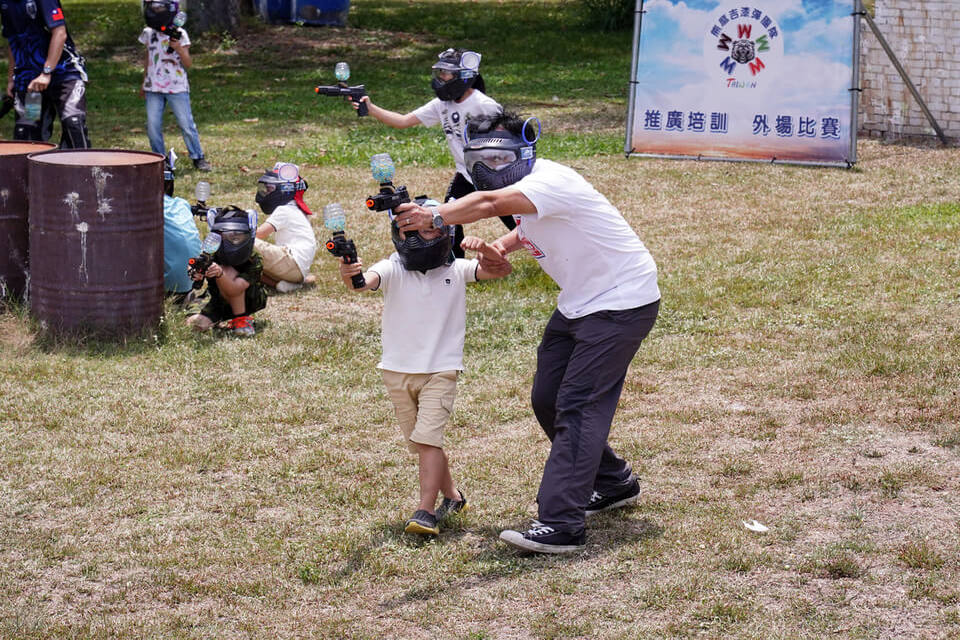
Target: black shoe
{"x": 542, "y": 538}
{"x": 423, "y": 522}
{"x": 201, "y": 164}
{"x": 600, "y": 502}
{"x": 450, "y": 507}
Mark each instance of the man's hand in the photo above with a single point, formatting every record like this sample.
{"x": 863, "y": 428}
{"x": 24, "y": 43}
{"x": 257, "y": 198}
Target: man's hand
{"x": 410, "y": 216}
{"x": 214, "y": 271}
{"x": 40, "y": 83}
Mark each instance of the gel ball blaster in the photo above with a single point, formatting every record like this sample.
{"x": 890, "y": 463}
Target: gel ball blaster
{"x": 390, "y": 196}
{"x": 202, "y": 192}
{"x": 201, "y": 263}
{"x": 339, "y": 245}
{"x": 342, "y": 73}
{"x": 7, "y": 105}
{"x": 173, "y": 29}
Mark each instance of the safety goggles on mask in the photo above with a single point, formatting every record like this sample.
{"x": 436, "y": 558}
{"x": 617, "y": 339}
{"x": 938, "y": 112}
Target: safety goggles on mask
{"x": 264, "y": 189}
{"x": 235, "y": 238}
{"x": 444, "y": 75}
{"x": 495, "y": 158}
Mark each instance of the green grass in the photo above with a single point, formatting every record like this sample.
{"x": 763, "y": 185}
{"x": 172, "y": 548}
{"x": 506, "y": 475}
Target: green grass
{"x": 802, "y": 373}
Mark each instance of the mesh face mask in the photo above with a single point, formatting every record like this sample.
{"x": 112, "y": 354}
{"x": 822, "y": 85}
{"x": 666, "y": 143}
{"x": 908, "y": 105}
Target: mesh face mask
{"x": 498, "y": 158}
{"x": 236, "y": 231}
{"x": 279, "y": 186}
{"x": 418, "y": 254}
{"x": 454, "y": 73}
{"x": 158, "y": 15}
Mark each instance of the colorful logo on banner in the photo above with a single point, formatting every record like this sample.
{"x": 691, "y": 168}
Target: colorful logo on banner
{"x": 743, "y": 47}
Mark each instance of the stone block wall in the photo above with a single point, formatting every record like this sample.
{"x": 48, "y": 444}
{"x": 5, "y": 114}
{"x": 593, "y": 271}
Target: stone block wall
{"x": 925, "y": 36}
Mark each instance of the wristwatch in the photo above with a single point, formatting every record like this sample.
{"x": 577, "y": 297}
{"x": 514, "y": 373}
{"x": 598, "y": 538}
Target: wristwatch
{"x": 437, "y": 218}
{"x": 47, "y": 70}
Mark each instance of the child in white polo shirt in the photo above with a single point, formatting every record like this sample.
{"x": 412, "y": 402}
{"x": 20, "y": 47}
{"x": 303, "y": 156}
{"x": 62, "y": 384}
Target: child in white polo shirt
{"x": 422, "y": 332}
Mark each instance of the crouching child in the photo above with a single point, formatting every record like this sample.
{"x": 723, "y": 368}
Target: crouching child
{"x": 233, "y": 278}
{"x": 422, "y": 333}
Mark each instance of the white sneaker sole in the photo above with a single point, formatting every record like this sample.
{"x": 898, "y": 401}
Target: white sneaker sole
{"x": 516, "y": 539}
{"x": 616, "y": 505}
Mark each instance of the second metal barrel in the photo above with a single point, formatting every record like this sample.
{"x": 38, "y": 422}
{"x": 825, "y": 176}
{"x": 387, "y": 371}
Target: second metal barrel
{"x": 96, "y": 239}
{"x": 14, "y": 239}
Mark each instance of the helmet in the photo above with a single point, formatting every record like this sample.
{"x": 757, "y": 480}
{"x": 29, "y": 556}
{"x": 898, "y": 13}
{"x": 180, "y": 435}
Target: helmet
{"x": 279, "y": 186}
{"x": 498, "y": 158}
{"x": 237, "y": 229}
{"x": 160, "y": 13}
{"x": 419, "y": 254}
{"x": 454, "y": 73}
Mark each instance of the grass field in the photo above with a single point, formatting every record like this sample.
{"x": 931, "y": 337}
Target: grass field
{"x": 803, "y": 373}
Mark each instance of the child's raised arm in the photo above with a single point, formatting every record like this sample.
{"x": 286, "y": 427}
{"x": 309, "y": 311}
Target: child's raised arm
{"x": 387, "y": 117}
{"x": 493, "y": 263}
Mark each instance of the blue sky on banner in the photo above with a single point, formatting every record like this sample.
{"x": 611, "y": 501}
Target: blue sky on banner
{"x": 810, "y": 70}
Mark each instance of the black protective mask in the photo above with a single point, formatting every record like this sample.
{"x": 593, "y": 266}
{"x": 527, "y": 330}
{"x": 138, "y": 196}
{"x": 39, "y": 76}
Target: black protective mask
{"x": 159, "y": 15}
{"x": 236, "y": 247}
{"x": 451, "y": 90}
{"x": 272, "y": 200}
{"x": 496, "y": 144}
{"x": 417, "y": 254}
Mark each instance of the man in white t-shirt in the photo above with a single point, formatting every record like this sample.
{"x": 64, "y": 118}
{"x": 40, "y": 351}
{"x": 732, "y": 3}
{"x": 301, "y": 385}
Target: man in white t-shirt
{"x": 422, "y": 332}
{"x": 608, "y": 304}
{"x": 459, "y": 88}
{"x": 286, "y": 264}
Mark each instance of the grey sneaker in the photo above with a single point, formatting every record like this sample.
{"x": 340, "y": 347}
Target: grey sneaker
{"x": 201, "y": 164}
{"x": 449, "y": 507}
{"x": 286, "y": 287}
{"x": 423, "y": 523}
{"x": 601, "y": 502}
{"x": 542, "y": 538}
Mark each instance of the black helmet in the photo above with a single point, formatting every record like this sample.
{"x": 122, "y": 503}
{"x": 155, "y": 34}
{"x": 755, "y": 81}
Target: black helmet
{"x": 462, "y": 65}
{"x": 418, "y": 254}
{"x": 496, "y": 158}
{"x": 159, "y": 14}
{"x": 279, "y": 185}
{"x": 237, "y": 229}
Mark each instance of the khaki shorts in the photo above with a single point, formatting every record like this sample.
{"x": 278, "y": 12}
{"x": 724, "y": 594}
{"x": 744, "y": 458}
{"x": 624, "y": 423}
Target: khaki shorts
{"x": 278, "y": 264}
{"x": 423, "y": 403}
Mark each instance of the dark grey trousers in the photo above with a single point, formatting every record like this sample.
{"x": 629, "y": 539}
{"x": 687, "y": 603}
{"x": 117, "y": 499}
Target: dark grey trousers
{"x": 581, "y": 366}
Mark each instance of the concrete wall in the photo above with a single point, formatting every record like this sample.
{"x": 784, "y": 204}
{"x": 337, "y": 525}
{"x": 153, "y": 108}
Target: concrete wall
{"x": 925, "y": 36}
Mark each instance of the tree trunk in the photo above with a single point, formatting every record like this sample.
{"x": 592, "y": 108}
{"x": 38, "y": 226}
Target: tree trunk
{"x": 214, "y": 15}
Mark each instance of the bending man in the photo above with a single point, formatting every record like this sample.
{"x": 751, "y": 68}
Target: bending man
{"x": 607, "y": 305}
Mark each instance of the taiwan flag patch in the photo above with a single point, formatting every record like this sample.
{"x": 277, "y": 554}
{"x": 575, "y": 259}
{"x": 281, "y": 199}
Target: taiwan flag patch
{"x": 57, "y": 14}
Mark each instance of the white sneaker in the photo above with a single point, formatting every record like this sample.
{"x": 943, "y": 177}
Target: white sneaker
{"x": 286, "y": 287}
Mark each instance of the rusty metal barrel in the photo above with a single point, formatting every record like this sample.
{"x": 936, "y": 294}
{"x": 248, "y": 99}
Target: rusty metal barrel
{"x": 96, "y": 240}
{"x": 14, "y": 238}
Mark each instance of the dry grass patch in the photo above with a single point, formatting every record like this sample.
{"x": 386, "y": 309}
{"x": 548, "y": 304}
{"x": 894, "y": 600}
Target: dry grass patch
{"x": 800, "y": 375}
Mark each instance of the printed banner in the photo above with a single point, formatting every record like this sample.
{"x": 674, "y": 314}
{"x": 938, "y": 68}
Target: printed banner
{"x": 760, "y": 80}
